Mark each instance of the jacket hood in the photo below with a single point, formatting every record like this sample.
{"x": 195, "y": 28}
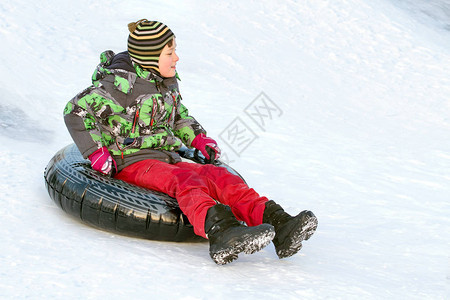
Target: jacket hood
{"x": 125, "y": 72}
{"x": 121, "y": 61}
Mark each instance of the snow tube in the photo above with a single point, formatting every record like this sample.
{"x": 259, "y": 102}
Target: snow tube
{"x": 114, "y": 205}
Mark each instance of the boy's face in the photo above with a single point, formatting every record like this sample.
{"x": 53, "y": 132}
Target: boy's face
{"x": 168, "y": 60}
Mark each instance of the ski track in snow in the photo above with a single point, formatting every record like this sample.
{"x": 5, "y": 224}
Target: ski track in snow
{"x": 362, "y": 141}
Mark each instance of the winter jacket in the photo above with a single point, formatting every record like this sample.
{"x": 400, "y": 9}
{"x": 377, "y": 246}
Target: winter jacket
{"x": 135, "y": 113}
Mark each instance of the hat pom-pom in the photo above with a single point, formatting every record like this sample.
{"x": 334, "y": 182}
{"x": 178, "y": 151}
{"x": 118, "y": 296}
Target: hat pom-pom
{"x": 133, "y": 25}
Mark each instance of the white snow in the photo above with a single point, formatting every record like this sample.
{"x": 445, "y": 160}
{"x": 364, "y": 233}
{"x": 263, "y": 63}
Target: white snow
{"x": 362, "y": 140}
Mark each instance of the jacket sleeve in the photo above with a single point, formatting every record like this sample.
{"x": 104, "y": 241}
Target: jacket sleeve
{"x": 82, "y": 126}
{"x": 186, "y": 127}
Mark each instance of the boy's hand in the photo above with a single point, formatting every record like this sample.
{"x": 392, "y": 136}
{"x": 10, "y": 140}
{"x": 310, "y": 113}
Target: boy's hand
{"x": 102, "y": 161}
{"x": 207, "y": 146}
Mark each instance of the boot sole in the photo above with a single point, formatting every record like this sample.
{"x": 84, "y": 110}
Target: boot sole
{"x": 307, "y": 227}
{"x": 248, "y": 243}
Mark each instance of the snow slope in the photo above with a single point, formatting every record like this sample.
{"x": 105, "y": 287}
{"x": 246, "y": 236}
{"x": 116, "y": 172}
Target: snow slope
{"x": 359, "y": 135}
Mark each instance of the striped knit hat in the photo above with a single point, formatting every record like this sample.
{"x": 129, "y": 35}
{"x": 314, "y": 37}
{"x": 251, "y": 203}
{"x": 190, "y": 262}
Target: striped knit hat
{"x": 146, "y": 42}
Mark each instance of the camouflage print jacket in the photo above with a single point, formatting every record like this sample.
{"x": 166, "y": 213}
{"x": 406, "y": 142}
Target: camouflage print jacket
{"x": 135, "y": 113}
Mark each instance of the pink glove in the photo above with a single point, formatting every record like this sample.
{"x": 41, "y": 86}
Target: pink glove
{"x": 207, "y": 146}
{"x": 102, "y": 161}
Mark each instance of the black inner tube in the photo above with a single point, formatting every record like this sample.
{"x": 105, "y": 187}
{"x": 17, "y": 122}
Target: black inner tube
{"x": 114, "y": 205}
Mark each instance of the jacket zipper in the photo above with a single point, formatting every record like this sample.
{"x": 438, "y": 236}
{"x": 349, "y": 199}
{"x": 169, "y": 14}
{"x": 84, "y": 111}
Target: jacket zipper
{"x": 153, "y": 111}
{"x": 173, "y": 107}
{"x": 136, "y": 117}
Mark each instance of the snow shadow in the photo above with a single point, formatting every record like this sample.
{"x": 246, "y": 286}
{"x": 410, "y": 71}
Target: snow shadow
{"x": 17, "y": 125}
{"x": 431, "y": 12}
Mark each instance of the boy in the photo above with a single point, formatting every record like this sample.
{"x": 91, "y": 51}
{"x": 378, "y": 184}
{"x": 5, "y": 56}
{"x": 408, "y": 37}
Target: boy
{"x": 130, "y": 123}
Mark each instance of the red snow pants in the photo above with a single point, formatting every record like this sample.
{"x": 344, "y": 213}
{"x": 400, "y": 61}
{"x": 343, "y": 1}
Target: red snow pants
{"x": 197, "y": 187}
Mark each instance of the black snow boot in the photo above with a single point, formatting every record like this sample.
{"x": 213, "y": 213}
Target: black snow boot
{"x": 228, "y": 237}
{"x": 289, "y": 231}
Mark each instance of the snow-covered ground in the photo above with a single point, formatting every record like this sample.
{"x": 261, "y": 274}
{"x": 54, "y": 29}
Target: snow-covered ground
{"x": 359, "y": 134}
